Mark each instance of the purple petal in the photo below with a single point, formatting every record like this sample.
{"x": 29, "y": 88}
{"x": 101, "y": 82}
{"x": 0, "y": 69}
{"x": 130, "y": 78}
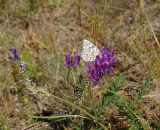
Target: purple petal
{"x": 76, "y": 61}
{"x": 14, "y": 55}
{"x": 72, "y": 60}
{"x": 102, "y": 66}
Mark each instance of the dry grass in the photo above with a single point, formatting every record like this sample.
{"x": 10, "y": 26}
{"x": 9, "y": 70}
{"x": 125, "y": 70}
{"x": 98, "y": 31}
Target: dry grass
{"x": 44, "y": 31}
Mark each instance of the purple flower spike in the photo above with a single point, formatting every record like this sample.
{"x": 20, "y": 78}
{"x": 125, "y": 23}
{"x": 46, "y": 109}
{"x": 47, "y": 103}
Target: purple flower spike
{"x": 94, "y": 73}
{"x": 102, "y": 66}
{"x": 68, "y": 59}
{"x": 72, "y": 61}
{"x": 76, "y": 60}
{"x": 14, "y": 55}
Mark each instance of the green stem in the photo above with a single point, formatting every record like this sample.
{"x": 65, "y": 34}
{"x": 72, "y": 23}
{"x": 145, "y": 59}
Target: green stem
{"x": 92, "y": 101}
{"x": 70, "y": 104}
{"x": 79, "y": 108}
{"x": 73, "y": 76}
{"x": 73, "y": 105}
{"x": 68, "y": 78}
{"x": 68, "y": 74}
{"x": 57, "y": 117}
{"x": 111, "y": 92}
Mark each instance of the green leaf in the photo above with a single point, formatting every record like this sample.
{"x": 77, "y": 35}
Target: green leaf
{"x": 146, "y": 86}
{"x": 79, "y": 87}
{"x": 104, "y": 102}
{"x": 117, "y": 84}
{"x": 99, "y": 106}
{"x": 58, "y": 117}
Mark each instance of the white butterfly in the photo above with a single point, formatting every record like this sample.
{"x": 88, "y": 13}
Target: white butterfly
{"x": 89, "y": 51}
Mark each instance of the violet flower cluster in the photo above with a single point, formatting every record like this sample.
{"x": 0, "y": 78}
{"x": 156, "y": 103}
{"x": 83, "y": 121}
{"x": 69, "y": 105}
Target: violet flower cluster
{"x": 72, "y": 61}
{"x": 103, "y": 65}
{"x": 14, "y": 54}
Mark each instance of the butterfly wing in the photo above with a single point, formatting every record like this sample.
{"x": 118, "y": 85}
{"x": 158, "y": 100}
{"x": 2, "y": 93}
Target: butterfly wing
{"x": 89, "y": 51}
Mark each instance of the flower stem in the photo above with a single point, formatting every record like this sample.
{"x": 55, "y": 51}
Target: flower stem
{"x": 68, "y": 74}
{"x": 73, "y": 76}
{"x": 61, "y": 116}
{"x": 70, "y": 104}
{"x": 68, "y": 85}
